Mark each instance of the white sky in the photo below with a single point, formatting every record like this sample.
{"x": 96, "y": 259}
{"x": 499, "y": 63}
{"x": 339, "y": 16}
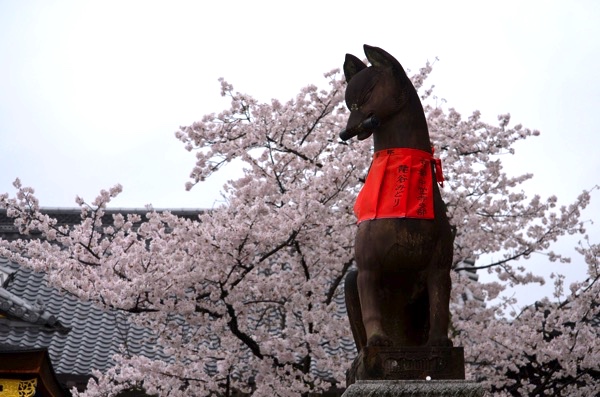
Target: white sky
{"x": 91, "y": 93}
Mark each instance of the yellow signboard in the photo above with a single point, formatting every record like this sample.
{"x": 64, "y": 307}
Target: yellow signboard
{"x": 17, "y": 388}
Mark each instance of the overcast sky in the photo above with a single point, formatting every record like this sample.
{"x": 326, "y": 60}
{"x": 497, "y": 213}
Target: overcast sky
{"x": 91, "y": 93}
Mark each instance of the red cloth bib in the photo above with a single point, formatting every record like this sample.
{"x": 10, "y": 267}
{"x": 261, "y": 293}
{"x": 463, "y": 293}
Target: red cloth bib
{"x": 399, "y": 185}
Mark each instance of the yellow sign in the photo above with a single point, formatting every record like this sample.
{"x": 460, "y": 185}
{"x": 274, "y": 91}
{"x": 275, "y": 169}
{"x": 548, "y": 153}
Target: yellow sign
{"x": 17, "y": 388}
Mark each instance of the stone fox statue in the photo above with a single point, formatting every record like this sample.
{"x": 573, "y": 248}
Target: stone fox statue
{"x": 404, "y": 242}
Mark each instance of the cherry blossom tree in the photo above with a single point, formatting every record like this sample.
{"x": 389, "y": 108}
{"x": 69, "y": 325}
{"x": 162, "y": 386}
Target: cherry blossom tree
{"x": 549, "y": 348}
{"x": 246, "y": 297}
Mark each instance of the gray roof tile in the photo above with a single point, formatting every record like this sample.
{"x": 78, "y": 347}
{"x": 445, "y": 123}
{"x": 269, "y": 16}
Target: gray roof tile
{"x": 85, "y": 337}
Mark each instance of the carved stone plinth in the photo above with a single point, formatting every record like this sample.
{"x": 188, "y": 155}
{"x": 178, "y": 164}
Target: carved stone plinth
{"x": 408, "y": 363}
{"x": 414, "y": 388}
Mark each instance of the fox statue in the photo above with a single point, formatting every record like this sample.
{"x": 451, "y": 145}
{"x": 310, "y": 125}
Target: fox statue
{"x": 399, "y": 296}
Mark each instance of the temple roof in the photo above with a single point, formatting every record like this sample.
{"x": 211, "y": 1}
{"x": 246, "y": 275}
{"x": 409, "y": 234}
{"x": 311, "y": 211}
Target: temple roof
{"x": 79, "y": 336}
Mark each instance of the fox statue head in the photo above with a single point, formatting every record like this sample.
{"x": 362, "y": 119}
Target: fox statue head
{"x": 381, "y": 95}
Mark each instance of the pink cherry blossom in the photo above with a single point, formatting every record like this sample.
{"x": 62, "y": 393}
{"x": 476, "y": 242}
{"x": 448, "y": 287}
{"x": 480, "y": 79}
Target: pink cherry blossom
{"x": 247, "y": 296}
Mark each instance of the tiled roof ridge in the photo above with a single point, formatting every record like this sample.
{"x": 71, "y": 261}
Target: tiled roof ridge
{"x": 119, "y": 210}
{"x": 33, "y": 313}
{"x": 72, "y": 216}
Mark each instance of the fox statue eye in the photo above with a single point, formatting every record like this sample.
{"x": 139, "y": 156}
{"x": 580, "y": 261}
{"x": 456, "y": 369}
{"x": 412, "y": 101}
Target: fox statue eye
{"x": 367, "y": 95}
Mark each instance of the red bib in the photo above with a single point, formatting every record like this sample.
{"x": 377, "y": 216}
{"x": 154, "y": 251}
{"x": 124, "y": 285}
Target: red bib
{"x": 399, "y": 185}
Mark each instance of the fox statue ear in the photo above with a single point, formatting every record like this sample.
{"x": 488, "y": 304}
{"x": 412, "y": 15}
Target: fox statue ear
{"x": 352, "y": 65}
{"x": 380, "y": 58}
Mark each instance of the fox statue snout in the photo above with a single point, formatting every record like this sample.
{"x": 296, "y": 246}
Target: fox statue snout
{"x": 365, "y": 127}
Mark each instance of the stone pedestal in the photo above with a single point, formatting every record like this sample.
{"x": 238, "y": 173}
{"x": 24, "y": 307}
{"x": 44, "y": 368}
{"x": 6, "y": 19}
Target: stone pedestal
{"x": 407, "y": 363}
{"x": 414, "y": 388}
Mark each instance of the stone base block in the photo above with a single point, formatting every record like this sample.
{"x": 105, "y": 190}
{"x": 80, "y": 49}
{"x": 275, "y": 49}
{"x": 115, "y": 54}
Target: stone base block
{"x": 414, "y": 388}
{"x": 408, "y": 363}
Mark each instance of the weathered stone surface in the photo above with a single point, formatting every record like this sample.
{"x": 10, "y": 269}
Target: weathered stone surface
{"x": 408, "y": 363}
{"x": 414, "y": 388}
